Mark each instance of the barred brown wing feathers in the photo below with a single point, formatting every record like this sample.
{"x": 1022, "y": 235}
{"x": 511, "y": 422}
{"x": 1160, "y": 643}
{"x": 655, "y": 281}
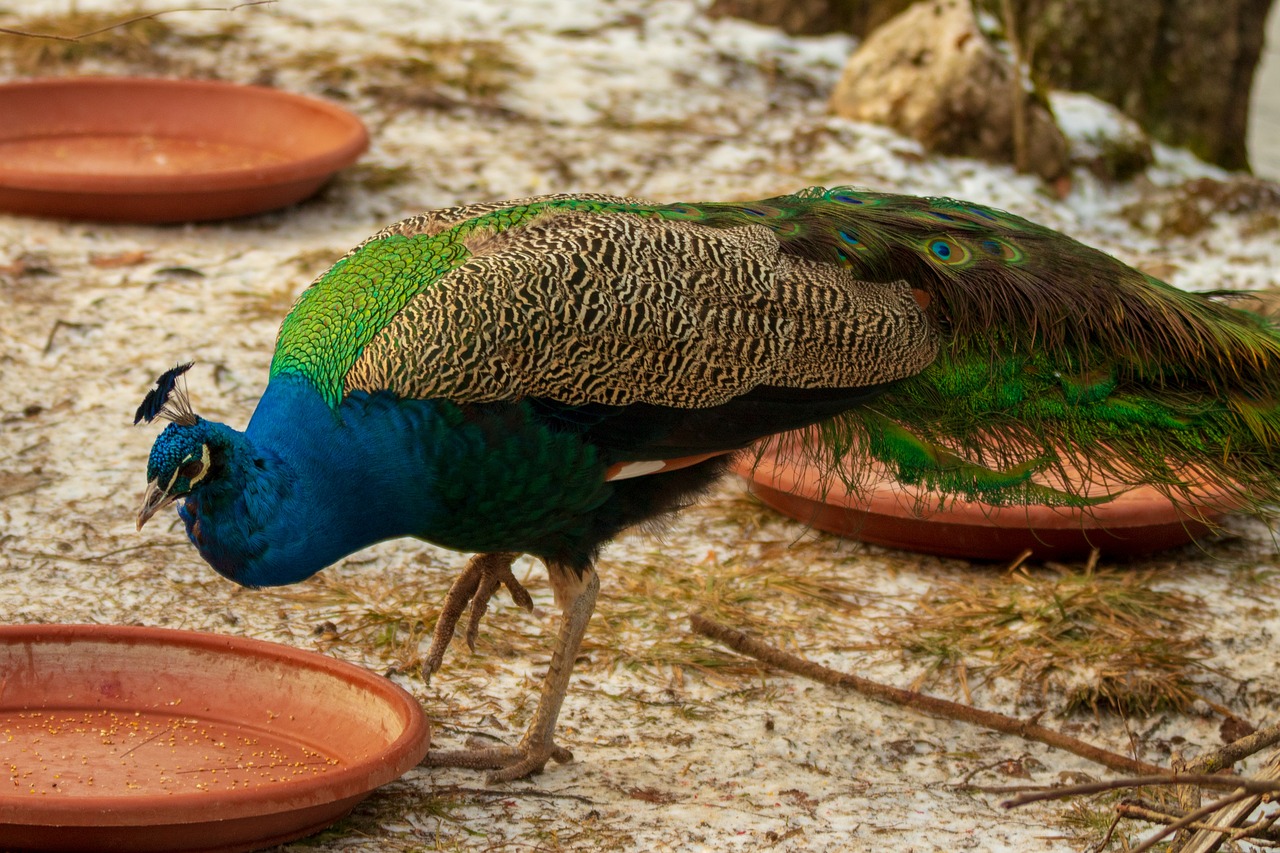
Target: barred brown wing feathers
{"x": 617, "y": 309}
{"x": 442, "y": 219}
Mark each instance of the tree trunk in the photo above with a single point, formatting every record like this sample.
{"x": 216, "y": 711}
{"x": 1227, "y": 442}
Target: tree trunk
{"x": 1181, "y": 68}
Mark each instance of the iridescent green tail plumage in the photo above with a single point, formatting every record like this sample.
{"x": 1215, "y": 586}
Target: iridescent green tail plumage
{"x": 1061, "y": 367}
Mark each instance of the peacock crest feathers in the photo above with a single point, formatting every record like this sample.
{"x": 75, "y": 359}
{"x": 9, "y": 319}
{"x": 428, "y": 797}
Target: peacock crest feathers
{"x": 168, "y": 400}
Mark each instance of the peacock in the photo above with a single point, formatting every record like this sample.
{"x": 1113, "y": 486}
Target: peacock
{"x": 536, "y": 376}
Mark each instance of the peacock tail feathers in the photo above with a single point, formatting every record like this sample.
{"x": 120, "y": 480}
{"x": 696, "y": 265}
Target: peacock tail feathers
{"x": 1019, "y": 431}
{"x": 1000, "y": 278}
{"x": 1018, "y": 364}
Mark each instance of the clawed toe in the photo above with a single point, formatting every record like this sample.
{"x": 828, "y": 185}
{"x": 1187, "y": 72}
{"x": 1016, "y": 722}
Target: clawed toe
{"x": 493, "y": 576}
{"x": 532, "y": 763}
{"x": 508, "y": 763}
{"x": 476, "y": 585}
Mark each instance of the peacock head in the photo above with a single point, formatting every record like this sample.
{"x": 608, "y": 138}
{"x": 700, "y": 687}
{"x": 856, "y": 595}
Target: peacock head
{"x": 183, "y": 456}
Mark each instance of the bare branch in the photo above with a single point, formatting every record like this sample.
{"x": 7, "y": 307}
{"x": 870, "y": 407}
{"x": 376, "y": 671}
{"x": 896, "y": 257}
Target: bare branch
{"x": 1237, "y": 750}
{"x": 931, "y": 705}
{"x": 1141, "y": 811}
{"x": 1207, "y": 841}
{"x": 127, "y": 21}
{"x": 1222, "y": 782}
{"x": 1190, "y": 818}
{"x": 1230, "y": 810}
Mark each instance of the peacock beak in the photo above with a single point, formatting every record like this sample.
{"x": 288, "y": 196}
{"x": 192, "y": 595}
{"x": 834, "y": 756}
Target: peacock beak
{"x": 153, "y": 501}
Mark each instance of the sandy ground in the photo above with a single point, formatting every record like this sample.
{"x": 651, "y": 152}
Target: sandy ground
{"x": 679, "y": 745}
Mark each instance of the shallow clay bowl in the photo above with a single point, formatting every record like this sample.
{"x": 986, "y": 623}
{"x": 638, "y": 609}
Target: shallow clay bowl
{"x": 1138, "y": 521}
{"x": 147, "y": 739}
{"x": 152, "y": 150}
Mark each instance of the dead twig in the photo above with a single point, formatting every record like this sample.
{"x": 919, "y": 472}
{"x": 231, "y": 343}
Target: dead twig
{"x": 931, "y": 705}
{"x": 514, "y": 793}
{"x": 1237, "y": 750}
{"x": 58, "y": 325}
{"x": 1190, "y": 818}
{"x": 95, "y": 559}
{"x": 127, "y": 21}
{"x": 1144, "y": 811}
{"x": 1105, "y": 843}
{"x": 1224, "y": 782}
{"x": 1208, "y": 840}
{"x": 1018, "y": 96}
{"x": 994, "y": 789}
{"x": 964, "y": 783}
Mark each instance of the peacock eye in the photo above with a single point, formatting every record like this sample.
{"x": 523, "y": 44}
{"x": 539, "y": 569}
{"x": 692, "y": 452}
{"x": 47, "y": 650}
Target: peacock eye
{"x": 191, "y": 470}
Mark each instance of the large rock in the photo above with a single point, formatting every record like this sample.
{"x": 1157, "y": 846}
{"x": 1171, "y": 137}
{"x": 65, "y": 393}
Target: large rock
{"x": 1100, "y": 137}
{"x": 932, "y": 74}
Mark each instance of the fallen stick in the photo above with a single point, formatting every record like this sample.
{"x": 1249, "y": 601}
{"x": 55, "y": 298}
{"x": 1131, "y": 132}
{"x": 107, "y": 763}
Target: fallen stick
{"x": 1208, "y": 840}
{"x": 931, "y": 705}
{"x": 1202, "y": 813}
{"x": 135, "y": 19}
{"x": 1223, "y": 757}
{"x": 1220, "y": 782}
{"x": 1234, "y": 807}
{"x": 1151, "y": 814}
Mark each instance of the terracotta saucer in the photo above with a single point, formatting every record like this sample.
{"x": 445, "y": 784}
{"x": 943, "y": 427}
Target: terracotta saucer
{"x": 1138, "y": 521}
{"x": 153, "y": 150}
{"x": 147, "y": 739}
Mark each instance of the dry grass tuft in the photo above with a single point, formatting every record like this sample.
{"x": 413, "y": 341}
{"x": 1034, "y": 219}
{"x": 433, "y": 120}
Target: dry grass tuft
{"x": 480, "y": 69}
{"x": 1100, "y": 639}
{"x": 770, "y": 588}
{"x": 437, "y": 73}
{"x": 377, "y": 178}
{"x": 368, "y": 614}
{"x": 272, "y": 300}
{"x": 1259, "y": 576}
{"x": 407, "y": 818}
{"x": 1089, "y": 820}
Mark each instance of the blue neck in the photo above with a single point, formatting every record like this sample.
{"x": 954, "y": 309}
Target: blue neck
{"x": 306, "y": 485}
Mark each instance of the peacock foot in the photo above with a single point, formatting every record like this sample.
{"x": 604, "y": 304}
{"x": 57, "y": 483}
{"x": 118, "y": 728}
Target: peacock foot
{"x": 477, "y": 584}
{"x": 576, "y": 593}
{"x": 508, "y": 763}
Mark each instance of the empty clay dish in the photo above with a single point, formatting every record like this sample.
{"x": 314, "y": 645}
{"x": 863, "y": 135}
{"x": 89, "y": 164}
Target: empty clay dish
{"x": 147, "y": 739}
{"x": 153, "y": 150}
{"x": 1138, "y": 521}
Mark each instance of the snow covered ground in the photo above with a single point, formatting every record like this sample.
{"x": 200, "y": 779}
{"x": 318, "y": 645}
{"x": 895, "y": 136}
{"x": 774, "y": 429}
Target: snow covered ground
{"x": 679, "y": 746}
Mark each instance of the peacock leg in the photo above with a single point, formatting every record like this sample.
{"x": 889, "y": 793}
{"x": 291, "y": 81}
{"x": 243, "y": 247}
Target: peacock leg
{"x": 576, "y": 596}
{"x": 477, "y": 584}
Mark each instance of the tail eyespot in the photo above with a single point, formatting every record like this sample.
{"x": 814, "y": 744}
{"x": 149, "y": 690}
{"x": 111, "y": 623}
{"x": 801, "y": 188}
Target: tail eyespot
{"x": 1000, "y": 249}
{"x": 947, "y": 251}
